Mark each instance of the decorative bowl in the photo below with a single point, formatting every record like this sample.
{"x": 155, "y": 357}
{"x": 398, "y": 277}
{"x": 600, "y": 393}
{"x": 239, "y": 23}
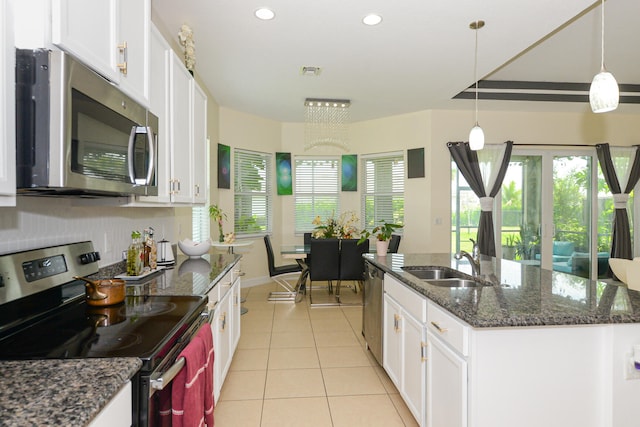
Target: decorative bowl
{"x": 194, "y": 249}
{"x": 619, "y": 267}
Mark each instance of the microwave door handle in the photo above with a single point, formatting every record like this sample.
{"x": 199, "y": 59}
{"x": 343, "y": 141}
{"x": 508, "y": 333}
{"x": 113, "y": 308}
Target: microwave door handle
{"x": 131, "y": 153}
{"x": 135, "y": 130}
{"x": 151, "y": 138}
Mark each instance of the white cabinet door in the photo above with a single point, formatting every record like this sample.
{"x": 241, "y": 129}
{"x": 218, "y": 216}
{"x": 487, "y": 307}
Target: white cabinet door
{"x": 159, "y": 51}
{"x": 118, "y": 412}
{"x": 132, "y": 49}
{"x": 221, "y": 340}
{"x": 180, "y": 131}
{"x": 88, "y": 29}
{"x": 7, "y": 109}
{"x": 200, "y": 159}
{"x": 414, "y": 366}
{"x": 392, "y": 340}
{"x": 235, "y": 325}
{"x": 446, "y": 385}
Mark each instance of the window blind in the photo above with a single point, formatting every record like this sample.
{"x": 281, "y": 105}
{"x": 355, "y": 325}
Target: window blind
{"x": 252, "y": 192}
{"x": 317, "y": 185}
{"x": 382, "y": 194}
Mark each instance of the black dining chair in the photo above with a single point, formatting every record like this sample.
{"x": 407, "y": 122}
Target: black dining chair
{"x": 394, "y": 244}
{"x": 278, "y": 274}
{"x": 324, "y": 265}
{"x": 351, "y": 263}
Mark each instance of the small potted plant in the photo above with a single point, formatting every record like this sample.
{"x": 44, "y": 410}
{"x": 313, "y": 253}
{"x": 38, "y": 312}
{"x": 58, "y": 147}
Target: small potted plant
{"x": 217, "y": 215}
{"x": 383, "y": 234}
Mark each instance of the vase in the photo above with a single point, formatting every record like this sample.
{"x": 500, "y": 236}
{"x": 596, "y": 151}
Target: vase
{"x": 382, "y": 246}
{"x": 220, "y": 234}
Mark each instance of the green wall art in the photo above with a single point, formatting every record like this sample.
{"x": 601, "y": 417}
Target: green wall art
{"x": 349, "y": 172}
{"x": 283, "y": 174}
{"x": 224, "y": 166}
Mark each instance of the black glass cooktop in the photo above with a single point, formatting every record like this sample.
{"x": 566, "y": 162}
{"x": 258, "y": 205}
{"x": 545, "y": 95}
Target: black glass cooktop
{"x": 141, "y": 326}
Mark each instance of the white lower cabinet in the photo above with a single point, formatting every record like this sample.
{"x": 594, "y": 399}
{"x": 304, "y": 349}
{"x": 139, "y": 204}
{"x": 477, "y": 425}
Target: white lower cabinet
{"x": 404, "y": 344}
{"x": 117, "y": 413}
{"x": 446, "y": 385}
{"x": 225, "y": 326}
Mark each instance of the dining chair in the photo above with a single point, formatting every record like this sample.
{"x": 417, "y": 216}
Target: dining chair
{"x": 278, "y": 274}
{"x": 324, "y": 265}
{"x": 394, "y": 244}
{"x": 351, "y": 263}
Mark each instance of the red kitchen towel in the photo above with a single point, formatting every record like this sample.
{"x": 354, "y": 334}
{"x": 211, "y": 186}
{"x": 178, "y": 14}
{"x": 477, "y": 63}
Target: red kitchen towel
{"x": 207, "y": 337}
{"x": 190, "y": 386}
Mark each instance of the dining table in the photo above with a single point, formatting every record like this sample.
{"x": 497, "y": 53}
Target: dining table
{"x": 298, "y": 253}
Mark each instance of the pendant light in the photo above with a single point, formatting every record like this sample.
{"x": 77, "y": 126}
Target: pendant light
{"x": 604, "y": 94}
{"x": 476, "y": 136}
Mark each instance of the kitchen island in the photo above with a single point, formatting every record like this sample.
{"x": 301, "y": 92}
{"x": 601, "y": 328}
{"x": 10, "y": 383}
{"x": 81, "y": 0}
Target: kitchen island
{"x": 533, "y": 347}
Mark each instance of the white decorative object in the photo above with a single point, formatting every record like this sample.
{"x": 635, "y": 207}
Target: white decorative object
{"x": 185, "y": 36}
{"x": 382, "y": 246}
{"x": 194, "y": 249}
{"x": 604, "y": 93}
{"x": 619, "y": 268}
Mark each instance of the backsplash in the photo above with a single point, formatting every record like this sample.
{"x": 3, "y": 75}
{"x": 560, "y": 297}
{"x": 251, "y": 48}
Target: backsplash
{"x": 47, "y": 221}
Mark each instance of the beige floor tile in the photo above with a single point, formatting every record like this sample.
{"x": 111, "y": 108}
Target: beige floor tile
{"x": 403, "y": 410}
{"x": 364, "y": 411}
{"x": 330, "y": 325}
{"x": 352, "y": 381}
{"x": 250, "y": 360}
{"x": 250, "y": 340}
{"x": 386, "y": 381}
{"x": 234, "y": 413}
{"x": 326, "y": 313}
{"x": 296, "y": 412}
{"x": 253, "y": 306}
{"x": 255, "y": 324}
{"x": 294, "y": 383}
{"x": 291, "y": 311}
{"x": 292, "y": 339}
{"x": 336, "y": 339}
{"x": 243, "y": 385}
{"x": 342, "y": 357}
{"x": 291, "y": 325}
{"x": 293, "y": 358}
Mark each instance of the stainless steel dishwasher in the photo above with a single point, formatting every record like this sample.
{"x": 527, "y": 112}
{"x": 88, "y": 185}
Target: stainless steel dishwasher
{"x": 372, "y": 310}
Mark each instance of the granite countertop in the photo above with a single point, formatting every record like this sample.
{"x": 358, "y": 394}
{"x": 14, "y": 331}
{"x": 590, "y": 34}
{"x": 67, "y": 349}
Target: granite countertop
{"x": 520, "y": 295}
{"x": 67, "y": 392}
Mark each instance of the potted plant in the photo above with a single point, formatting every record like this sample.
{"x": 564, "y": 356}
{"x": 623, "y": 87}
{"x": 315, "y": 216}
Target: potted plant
{"x": 382, "y": 233}
{"x": 217, "y": 215}
{"x": 509, "y": 248}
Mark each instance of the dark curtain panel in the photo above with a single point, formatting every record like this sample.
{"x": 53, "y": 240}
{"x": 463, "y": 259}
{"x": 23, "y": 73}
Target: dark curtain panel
{"x": 621, "y": 246}
{"x": 467, "y": 161}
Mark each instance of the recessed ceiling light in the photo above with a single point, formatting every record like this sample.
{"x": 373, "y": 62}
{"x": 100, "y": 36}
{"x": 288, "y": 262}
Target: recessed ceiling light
{"x": 265, "y": 14}
{"x": 372, "y": 19}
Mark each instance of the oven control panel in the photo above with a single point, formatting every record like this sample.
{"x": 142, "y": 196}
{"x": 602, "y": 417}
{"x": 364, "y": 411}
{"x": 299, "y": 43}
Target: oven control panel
{"x": 44, "y": 267}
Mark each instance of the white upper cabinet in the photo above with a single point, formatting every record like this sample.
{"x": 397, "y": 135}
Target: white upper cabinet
{"x": 200, "y": 159}
{"x": 7, "y": 109}
{"x": 110, "y": 36}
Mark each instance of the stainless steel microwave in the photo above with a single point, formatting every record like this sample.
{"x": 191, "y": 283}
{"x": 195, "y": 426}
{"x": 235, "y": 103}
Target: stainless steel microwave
{"x": 77, "y": 133}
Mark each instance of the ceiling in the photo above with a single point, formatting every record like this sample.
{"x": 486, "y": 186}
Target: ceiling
{"x": 419, "y": 58}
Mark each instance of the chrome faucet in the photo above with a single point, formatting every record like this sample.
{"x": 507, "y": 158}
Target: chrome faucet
{"x": 474, "y": 259}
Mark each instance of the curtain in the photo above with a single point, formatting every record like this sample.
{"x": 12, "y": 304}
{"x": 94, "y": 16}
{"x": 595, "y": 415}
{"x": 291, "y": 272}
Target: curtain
{"x": 484, "y": 170}
{"x": 621, "y": 169}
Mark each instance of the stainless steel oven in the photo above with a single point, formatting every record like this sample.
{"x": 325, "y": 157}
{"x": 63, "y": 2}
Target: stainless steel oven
{"x": 77, "y": 133}
{"x": 44, "y": 315}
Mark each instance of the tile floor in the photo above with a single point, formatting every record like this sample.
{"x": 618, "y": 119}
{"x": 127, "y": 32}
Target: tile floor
{"x": 301, "y": 366}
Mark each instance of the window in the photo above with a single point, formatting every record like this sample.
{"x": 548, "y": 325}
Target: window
{"x": 382, "y": 188}
{"x": 252, "y": 192}
{"x": 316, "y": 190}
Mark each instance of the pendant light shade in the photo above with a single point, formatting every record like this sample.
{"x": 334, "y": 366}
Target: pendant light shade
{"x": 476, "y": 136}
{"x": 604, "y": 94}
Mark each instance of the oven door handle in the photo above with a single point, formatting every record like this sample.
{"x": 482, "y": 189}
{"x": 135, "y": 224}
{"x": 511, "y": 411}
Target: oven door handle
{"x": 163, "y": 380}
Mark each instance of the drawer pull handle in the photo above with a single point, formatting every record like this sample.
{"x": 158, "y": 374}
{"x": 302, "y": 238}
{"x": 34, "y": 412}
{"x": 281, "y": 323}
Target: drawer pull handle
{"x": 423, "y": 351}
{"x": 439, "y": 328}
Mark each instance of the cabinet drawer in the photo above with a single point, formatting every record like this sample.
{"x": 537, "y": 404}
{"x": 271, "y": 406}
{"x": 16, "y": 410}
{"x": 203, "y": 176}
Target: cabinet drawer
{"x": 446, "y": 326}
{"x": 411, "y": 301}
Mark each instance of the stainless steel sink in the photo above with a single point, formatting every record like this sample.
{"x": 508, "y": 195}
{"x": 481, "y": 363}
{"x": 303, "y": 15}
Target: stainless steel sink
{"x": 455, "y": 283}
{"x": 433, "y": 273}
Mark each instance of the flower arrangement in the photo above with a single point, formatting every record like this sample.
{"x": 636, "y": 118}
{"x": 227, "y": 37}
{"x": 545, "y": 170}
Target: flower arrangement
{"x": 185, "y": 36}
{"x": 342, "y": 228}
{"x": 217, "y": 215}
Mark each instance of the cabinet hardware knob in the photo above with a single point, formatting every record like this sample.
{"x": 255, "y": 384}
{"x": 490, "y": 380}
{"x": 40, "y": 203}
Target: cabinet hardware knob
{"x": 122, "y": 48}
